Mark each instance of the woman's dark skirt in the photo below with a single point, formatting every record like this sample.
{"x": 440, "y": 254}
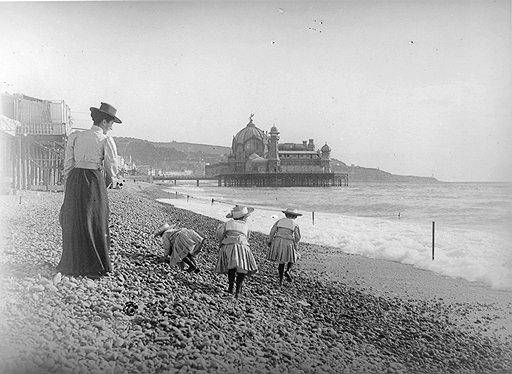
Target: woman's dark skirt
{"x": 84, "y": 221}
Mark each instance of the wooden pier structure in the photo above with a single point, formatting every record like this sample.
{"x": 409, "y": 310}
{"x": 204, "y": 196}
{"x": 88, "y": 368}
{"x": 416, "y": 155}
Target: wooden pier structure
{"x": 39, "y": 161}
{"x": 176, "y": 178}
{"x": 267, "y": 180}
{"x": 284, "y": 180}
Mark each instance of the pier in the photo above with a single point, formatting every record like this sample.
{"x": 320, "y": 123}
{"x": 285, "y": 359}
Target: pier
{"x": 266, "y": 180}
{"x": 174, "y": 179}
{"x": 284, "y": 180}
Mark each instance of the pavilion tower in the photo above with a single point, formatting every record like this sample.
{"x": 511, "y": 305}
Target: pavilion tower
{"x": 274, "y": 165}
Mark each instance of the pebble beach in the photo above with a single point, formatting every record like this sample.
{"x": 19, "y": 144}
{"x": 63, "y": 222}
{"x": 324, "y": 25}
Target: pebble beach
{"x": 341, "y": 314}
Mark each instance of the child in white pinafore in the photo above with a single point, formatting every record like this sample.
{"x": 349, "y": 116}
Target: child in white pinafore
{"x": 283, "y": 243}
{"x": 235, "y": 256}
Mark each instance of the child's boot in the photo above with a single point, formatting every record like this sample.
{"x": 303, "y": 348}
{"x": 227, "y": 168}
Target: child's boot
{"x": 191, "y": 264}
{"x": 239, "y": 282}
{"x": 287, "y": 274}
{"x": 231, "y": 280}
{"x": 194, "y": 269}
{"x": 281, "y": 273}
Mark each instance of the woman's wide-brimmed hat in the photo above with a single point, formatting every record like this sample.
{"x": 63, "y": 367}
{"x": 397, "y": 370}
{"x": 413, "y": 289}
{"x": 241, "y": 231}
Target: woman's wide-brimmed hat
{"x": 239, "y": 211}
{"x": 107, "y": 109}
{"x": 159, "y": 231}
{"x": 292, "y": 212}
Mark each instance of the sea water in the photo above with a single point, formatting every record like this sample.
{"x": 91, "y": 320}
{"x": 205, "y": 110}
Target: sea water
{"x": 466, "y": 227}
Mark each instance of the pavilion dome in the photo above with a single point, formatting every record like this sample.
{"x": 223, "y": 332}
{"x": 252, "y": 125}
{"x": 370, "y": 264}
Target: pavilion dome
{"x": 249, "y": 132}
{"x": 249, "y": 140}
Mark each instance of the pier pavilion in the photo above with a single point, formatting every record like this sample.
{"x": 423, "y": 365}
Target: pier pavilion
{"x": 258, "y": 159}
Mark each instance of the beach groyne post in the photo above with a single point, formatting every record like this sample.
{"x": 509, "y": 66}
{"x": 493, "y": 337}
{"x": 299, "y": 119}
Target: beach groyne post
{"x": 313, "y": 217}
{"x": 433, "y": 238}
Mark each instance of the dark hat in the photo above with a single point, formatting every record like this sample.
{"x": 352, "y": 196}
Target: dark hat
{"x": 107, "y": 109}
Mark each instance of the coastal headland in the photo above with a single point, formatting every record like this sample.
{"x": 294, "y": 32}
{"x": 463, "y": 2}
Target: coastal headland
{"x": 342, "y": 313}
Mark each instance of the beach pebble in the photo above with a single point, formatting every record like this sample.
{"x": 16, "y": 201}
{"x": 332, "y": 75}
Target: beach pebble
{"x": 50, "y": 287}
{"x": 186, "y": 323}
{"x": 36, "y": 288}
{"x": 57, "y": 279}
{"x": 89, "y": 283}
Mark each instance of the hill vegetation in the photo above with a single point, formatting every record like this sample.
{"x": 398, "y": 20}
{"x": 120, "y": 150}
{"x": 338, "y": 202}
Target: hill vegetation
{"x": 180, "y": 156}
{"x": 170, "y": 156}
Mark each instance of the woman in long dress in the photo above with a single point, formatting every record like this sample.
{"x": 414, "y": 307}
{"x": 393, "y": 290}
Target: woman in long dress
{"x": 235, "y": 256}
{"x": 84, "y": 215}
{"x": 283, "y": 243}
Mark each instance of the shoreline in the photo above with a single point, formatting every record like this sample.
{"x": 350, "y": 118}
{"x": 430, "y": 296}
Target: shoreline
{"x": 491, "y": 313}
{"x": 465, "y": 248}
{"x": 476, "y": 307}
{"x": 186, "y": 323}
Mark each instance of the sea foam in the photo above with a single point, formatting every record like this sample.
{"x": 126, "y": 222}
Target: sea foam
{"x": 458, "y": 252}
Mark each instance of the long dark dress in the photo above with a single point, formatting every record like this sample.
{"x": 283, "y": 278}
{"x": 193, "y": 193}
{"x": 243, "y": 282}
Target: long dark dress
{"x": 84, "y": 221}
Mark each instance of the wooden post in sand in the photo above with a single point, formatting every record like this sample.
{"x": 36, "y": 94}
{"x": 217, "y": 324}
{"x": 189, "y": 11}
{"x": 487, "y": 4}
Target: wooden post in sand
{"x": 433, "y": 235}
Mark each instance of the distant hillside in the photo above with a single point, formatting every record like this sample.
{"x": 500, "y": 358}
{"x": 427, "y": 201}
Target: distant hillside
{"x": 362, "y": 174}
{"x": 179, "y": 156}
{"x": 201, "y": 149}
{"x": 170, "y": 156}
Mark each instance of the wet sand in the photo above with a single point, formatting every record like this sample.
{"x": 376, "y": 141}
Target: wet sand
{"x": 475, "y": 306}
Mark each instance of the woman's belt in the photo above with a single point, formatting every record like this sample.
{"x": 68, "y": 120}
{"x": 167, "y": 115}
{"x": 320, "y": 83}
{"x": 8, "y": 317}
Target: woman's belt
{"x": 87, "y": 165}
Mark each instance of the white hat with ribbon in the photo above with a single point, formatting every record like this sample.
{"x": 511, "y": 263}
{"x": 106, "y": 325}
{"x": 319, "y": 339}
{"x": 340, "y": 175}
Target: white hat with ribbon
{"x": 239, "y": 211}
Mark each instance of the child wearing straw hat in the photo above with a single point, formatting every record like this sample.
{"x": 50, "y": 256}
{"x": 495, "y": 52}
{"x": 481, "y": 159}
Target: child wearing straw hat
{"x": 283, "y": 243}
{"x": 181, "y": 246}
{"x": 235, "y": 256}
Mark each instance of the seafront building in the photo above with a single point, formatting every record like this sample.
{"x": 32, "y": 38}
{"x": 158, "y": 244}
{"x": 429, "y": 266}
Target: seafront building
{"x": 258, "y": 159}
{"x": 33, "y": 139}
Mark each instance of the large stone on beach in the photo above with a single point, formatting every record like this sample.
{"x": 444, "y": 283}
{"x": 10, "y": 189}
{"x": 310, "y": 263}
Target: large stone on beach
{"x": 57, "y": 278}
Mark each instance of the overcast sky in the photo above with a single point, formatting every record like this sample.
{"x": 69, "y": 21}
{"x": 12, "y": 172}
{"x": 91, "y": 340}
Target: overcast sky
{"x": 411, "y": 87}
